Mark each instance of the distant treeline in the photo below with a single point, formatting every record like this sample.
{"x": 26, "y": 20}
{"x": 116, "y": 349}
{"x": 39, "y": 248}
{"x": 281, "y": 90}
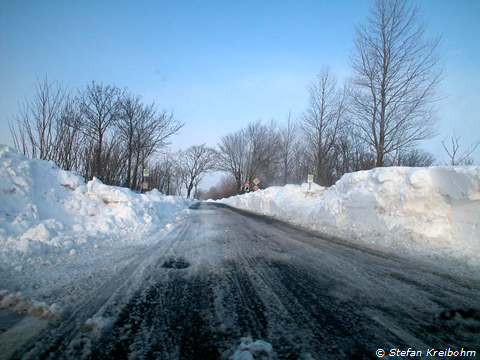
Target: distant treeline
{"x": 100, "y": 130}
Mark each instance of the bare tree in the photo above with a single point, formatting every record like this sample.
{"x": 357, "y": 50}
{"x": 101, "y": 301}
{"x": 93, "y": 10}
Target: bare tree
{"x": 303, "y": 164}
{"x": 251, "y": 152}
{"x": 100, "y": 110}
{"x": 268, "y": 156}
{"x": 254, "y": 153}
{"x": 396, "y": 76}
{"x": 194, "y": 163}
{"x": 165, "y": 175}
{"x": 144, "y": 131}
{"x": 152, "y": 134}
{"x": 37, "y": 123}
{"x": 113, "y": 161}
{"x": 322, "y": 120}
{"x": 69, "y": 139}
{"x": 413, "y": 158}
{"x": 288, "y": 135}
{"x": 131, "y": 114}
{"x": 453, "y": 151}
{"x": 232, "y": 156}
{"x": 351, "y": 153}
{"x": 101, "y": 132}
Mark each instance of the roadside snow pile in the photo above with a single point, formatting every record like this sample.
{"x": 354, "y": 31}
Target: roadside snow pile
{"x": 250, "y": 350}
{"x": 16, "y": 303}
{"x": 431, "y": 211}
{"x": 45, "y": 209}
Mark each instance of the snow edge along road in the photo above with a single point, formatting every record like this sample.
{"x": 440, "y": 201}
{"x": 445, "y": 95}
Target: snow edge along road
{"x": 431, "y": 214}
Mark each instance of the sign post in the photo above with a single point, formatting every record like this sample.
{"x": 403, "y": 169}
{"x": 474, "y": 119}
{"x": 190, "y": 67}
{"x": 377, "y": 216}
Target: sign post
{"x": 246, "y": 186}
{"x": 310, "y": 180}
{"x": 146, "y": 174}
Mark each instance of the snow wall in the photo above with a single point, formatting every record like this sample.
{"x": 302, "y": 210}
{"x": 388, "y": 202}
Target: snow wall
{"x": 433, "y": 211}
{"x": 44, "y": 208}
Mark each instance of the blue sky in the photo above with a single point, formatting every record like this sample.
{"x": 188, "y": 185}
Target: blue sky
{"x": 218, "y": 64}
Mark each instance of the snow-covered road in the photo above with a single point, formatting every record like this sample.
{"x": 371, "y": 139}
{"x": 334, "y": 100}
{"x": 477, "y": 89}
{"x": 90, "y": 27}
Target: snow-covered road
{"x": 223, "y": 274}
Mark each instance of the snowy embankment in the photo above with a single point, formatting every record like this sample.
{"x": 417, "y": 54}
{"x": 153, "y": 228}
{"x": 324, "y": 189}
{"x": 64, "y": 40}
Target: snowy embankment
{"x": 432, "y": 212}
{"x": 48, "y": 216}
{"x": 46, "y": 209}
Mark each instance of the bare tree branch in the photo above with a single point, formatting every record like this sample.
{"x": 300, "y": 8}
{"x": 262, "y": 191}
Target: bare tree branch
{"x": 396, "y": 76}
{"x": 457, "y": 158}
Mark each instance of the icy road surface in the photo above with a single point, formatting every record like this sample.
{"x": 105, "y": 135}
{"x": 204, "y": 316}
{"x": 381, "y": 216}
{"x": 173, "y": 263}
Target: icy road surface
{"x": 225, "y": 274}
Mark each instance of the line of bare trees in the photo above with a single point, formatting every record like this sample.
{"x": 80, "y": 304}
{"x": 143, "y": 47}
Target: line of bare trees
{"x": 287, "y": 153}
{"x": 98, "y": 131}
{"x": 105, "y": 132}
{"x": 377, "y": 117}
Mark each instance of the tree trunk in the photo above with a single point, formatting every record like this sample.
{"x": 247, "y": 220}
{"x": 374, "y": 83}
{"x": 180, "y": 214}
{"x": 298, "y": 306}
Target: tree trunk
{"x": 379, "y": 162}
{"x": 135, "y": 171}
{"x": 129, "y": 162}
{"x": 189, "y": 190}
{"x": 98, "y": 162}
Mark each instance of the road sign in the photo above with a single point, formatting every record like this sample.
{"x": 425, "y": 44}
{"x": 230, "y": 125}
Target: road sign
{"x": 246, "y": 186}
{"x": 144, "y": 185}
{"x": 146, "y": 172}
{"x": 256, "y": 181}
{"x": 310, "y": 178}
{"x": 255, "y": 188}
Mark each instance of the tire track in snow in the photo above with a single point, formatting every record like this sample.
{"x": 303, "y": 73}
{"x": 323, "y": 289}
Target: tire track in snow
{"x": 227, "y": 274}
{"x": 55, "y": 341}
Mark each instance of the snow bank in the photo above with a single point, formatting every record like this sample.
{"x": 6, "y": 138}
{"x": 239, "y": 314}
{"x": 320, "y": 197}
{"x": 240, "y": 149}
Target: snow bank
{"x": 250, "y": 350}
{"x": 45, "y": 209}
{"x": 430, "y": 211}
{"x": 16, "y": 303}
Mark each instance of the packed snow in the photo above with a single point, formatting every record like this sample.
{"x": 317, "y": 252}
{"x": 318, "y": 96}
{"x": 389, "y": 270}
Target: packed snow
{"x": 250, "y": 350}
{"x": 55, "y": 228}
{"x": 46, "y": 209}
{"x": 81, "y": 252}
{"x": 16, "y": 303}
{"x": 429, "y": 212}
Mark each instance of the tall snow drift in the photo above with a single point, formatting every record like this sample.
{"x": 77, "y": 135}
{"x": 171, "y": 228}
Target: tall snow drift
{"x": 44, "y": 208}
{"x": 433, "y": 211}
